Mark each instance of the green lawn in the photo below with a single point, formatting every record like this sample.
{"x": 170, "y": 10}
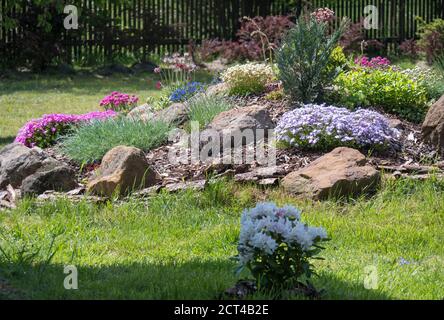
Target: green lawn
{"x": 30, "y": 96}
{"x": 179, "y": 246}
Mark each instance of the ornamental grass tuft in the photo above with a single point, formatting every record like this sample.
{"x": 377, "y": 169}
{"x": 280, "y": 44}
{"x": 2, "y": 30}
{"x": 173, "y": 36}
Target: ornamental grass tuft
{"x": 90, "y": 142}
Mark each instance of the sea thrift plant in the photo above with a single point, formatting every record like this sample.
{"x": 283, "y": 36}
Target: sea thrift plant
{"x": 323, "y": 127}
{"x": 44, "y": 131}
{"x": 118, "y": 101}
{"x": 175, "y": 69}
{"x": 323, "y": 15}
{"x": 276, "y": 247}
{"x": 248, "y": 78}
{"x": 376, "y": 62}
{"x": 185, "y": 92}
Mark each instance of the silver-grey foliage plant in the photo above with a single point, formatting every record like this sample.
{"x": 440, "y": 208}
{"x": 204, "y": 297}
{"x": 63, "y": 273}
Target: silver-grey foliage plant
{"x": 303, "y": 57}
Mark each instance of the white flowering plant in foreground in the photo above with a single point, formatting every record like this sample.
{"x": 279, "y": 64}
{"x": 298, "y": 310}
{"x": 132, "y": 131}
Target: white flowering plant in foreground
{"x": 276, "y": 247}
{"x": 248, "y": 78}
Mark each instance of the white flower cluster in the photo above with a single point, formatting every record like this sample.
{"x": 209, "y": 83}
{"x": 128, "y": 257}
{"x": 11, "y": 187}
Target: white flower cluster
{"x": 265, "y": 227}
{"x": 248, "y": 78}
{"x": 421, "y": 74}
{"x": 178, "y": 62}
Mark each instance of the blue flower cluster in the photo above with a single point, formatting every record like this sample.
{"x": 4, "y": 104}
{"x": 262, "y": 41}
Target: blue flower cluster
{"x": 183, "y": 93}
{"x": 325, "y": 127}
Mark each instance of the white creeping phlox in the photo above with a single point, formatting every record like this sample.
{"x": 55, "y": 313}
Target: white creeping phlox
{"x": 266, "y": 227}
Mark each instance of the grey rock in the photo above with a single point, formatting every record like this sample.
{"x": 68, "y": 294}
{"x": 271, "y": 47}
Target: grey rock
{"x": 18, "y": 162}
{"x": 177, "y": 114}
{"x": 144, "y": 112}
{"x": 189, "y": 185}
{"x": 53, "y": 175}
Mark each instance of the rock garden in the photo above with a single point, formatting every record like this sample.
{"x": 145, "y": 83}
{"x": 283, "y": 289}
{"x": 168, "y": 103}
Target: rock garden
{"x": 304, "y": 151}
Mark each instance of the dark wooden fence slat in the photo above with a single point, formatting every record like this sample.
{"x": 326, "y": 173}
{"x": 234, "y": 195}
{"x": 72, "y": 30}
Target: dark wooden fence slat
{"x": 198, "y": 20}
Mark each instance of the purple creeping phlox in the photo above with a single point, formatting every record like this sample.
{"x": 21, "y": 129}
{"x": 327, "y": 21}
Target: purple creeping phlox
{"x": 44, "y": 131}
{"x": 325, "y": 127}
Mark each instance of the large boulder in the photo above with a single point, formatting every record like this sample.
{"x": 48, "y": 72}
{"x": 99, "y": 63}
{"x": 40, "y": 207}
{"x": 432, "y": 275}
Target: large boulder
{"x": 33, "y": 170}
{"x": 52, "y": 175}
{"x": 123, "y": 169}
{"x": 433, "y": 125}
{"x": 341, "y": 173}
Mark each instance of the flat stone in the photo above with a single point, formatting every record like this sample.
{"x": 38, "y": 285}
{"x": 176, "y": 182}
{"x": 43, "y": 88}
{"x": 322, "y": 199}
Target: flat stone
{"x": 198, "y": 185}
{"x": 268, "y": 182}
{"x": 341, "y": 173}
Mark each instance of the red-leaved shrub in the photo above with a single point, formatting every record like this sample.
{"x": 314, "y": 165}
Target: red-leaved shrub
{"x": 409, "y": 48}
{"x": 256, "y": 39}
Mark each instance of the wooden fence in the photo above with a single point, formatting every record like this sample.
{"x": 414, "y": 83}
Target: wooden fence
{"x": 204, "y": 19}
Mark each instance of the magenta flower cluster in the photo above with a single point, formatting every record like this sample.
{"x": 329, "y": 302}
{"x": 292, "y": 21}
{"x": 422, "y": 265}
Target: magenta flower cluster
{"x": 375, "y": 63}
{"x": 322, "y": 127}
{"x": 118, "y": 101}
{"x": 44, "y": 131}
{"x": 323, "y": 15}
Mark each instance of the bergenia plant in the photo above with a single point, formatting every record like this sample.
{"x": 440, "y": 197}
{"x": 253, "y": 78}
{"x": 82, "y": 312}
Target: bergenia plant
{"x": 175, "y": 69}
{"x": 43, "y": 132}
{"x": 374, "y": 63}
{"x": 276, "y": 247}
{"x": 120, "y": 102}
{"x": 322, "y": 127}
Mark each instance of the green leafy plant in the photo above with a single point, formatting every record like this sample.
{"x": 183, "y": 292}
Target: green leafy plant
{"x": 304, "y": 56}
{"x": 248, "y": 78}
{"x": 89, "y": 143}
{"x": 203, "y": 108}
{"x": 337, "y": 62}
{"x": 392, "y": 90}
{"x": 275, "y": 95}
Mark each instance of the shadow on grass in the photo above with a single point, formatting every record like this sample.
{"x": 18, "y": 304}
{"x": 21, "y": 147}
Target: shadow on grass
{"x": 173, "y": 280}
{"x": 85, "y": 83}
{"x": 88, "y": 84}
{"x": 6, "y": 140}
